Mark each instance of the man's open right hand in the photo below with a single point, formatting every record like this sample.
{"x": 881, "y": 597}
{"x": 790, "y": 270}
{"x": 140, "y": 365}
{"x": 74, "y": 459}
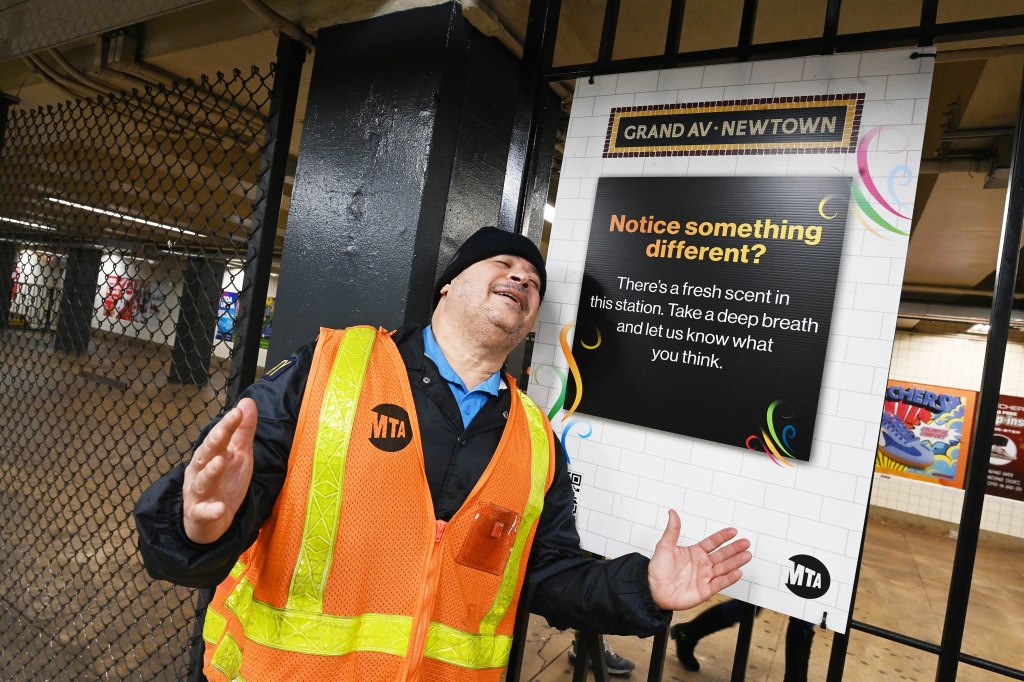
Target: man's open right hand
{"x": 217, "y": 478}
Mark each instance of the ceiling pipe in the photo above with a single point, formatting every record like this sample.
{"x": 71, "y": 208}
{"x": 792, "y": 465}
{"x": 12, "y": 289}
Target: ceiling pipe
{"x": 119, "y": 54}
{"x": 978, "y": 53}
{"x": 281, "y": 23}
{"x": 969, "y": 163}
{"x": 95, "y": 84}
{"x": 951, "y": 291}
{"x": 65, "y": 84}
{"x": 483, "y": 19}
{"x": 910, "y": 310}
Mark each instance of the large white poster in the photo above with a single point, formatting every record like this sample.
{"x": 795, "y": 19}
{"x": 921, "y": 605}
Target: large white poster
{"x": 858, "y": 117}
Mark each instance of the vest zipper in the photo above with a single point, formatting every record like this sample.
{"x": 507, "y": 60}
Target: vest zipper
{"x": 421, "y": 625}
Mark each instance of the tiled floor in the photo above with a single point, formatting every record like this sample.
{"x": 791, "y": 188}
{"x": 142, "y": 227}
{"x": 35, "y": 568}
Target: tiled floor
{"x": 904, "y": 585}
{"x": 75, "y": 454}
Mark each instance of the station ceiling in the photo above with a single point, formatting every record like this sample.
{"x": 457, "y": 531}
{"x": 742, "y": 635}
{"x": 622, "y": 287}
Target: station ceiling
{"x": 971, "y": 121}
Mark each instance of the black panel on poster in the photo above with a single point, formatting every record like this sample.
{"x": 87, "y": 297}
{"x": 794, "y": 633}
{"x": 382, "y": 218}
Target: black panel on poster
{"x": 722, "y": 336}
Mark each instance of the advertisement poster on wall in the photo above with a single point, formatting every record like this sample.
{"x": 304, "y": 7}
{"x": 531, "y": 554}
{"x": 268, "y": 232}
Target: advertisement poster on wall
{"x": 150, "y": 300}
{"x": 268, "y": 322}
{"x": 697, "y": 351}
{"x": 925, "y": 432}
{"x": 704, "y": 283}
{"x": 226, "y": 315}
{"x": 119, "y": 298}
{"x": 1006, "y": 463}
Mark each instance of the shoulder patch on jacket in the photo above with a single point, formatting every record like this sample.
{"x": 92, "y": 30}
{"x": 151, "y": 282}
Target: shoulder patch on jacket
{"x": 278, "y": 369}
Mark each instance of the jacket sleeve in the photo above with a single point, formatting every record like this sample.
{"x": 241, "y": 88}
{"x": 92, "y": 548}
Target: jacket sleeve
{"x": 572, "y": 591}
{"x": 167, "y": 552}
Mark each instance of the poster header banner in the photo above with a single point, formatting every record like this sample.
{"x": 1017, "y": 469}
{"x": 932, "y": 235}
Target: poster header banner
{"x": 824, "y": 124}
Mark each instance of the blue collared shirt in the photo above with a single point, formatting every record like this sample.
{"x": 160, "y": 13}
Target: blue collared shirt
{"x": 470, "y": 402}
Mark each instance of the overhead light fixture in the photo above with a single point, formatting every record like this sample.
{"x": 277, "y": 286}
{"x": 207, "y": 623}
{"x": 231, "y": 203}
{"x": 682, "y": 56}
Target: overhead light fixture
{"x": 28, "y": 224}
{"x": 121, "y": 216}
{"x": 138, "y": 259}
{"x": 549, "y": 213}
{"x": 179, "y": 254}
{"x": 978, "y": 329}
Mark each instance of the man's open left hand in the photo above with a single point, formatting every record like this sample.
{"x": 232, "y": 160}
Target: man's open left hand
{"x": 683, "y": 577}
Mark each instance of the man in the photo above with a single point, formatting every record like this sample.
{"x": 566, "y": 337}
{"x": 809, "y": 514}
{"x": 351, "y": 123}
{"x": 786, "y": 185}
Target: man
{"x": 371, "y": 509}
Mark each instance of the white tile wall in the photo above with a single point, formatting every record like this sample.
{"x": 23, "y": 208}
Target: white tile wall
{"x": 817, "y": 507}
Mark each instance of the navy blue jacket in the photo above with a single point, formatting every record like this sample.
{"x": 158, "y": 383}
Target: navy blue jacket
{"x": 566, "y": 588}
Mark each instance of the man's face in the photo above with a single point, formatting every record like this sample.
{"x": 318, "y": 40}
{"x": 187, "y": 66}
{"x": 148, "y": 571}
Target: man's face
{"x": 498, "y": 295}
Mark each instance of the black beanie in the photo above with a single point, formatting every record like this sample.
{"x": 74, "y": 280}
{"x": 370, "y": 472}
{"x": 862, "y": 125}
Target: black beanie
{"x": 487, "y": 242}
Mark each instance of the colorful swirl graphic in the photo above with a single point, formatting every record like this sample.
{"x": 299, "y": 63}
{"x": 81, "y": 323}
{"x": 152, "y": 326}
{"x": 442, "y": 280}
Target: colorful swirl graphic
{"x": 773, "y": 440}
{"x": 563, "y": 339}
{"x": 563, "y": 378}
{"x": 560, "y": 400}
{"x": 583, "y": 423}
{"x": 866, "y": 190}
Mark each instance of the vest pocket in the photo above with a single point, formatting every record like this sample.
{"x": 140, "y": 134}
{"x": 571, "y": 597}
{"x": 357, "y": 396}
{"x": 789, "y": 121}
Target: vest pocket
{"x": 490, "y": 538}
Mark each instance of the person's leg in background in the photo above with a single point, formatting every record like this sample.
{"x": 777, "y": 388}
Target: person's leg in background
{"x": 686, "y": 635}
{"x": 799, "y": 635}
{"x": 617, "y": 665}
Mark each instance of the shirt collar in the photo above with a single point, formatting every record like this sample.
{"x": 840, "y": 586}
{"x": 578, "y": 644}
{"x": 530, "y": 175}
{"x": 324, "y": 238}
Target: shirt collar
{"x": 432, "y": 350}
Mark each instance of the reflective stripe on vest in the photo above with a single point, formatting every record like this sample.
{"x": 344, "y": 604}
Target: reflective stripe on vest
{"x": 539, "y": 463}
{"x": 323, "y": 506}
{"x": 302, "y": 626}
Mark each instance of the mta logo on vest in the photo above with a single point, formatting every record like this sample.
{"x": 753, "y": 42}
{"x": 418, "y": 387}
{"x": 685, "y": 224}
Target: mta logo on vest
{"x": 808, "y": 577}
{"x": 390, "y": 429}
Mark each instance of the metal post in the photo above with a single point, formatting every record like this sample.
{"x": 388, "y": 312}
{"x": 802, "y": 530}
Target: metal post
{"x": 76, "y": 311}
{"x": 831, "y": 30}
{"x": 6, "y": 101}
{"x": 608, "y": 29}
{"x": 929, "y": 12}
{"x": 674, "y": 32}
{"x": 746, "y": 38}
{"x": 582, "y": 649}
{"x": 197, "y": 321}
{"x": 514, "y": 669}
{"x": 837, "y": 657}
{"x": 657, "y": 665}
{"x": 739, "y": 661}
{"x": 538, "y": 52}
{"x": 8, "y": 262}
{"x": 266, "y": 212}
{"x": 977, "y": 463}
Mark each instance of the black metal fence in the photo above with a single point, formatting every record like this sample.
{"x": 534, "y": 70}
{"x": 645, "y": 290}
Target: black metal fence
{"x": 126, "y": 222}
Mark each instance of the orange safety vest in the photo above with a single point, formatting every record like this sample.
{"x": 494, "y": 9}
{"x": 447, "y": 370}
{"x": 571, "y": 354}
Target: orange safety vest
{"x": 352, "y": 577}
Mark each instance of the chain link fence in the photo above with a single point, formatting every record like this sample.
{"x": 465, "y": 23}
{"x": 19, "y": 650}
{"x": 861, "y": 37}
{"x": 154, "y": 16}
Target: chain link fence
{"x": 124, "y": 224}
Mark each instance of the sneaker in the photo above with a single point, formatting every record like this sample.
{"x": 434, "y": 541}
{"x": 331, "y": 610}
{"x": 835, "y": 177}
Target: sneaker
{"x": 899, "y": 443}
{"x": 684, "y": 648}
{"x": 617, "y": 665}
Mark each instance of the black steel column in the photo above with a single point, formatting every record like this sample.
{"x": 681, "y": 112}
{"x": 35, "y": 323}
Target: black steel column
{"x": 674, "y": 32}
{"x": 538, "y": 52}
{"x": 656, "y": 669}
{"x": 197, "y": 321}
{"x": 5, "y": 104}
{"x": 929, "y": 13}
{"x": 403, "y": 144}
{"x": 746, "y": 38}
{"x": 742, "y": 653}
{"x": 8, "y": 251}
{"x": 831, "y": 30}
{"x": 988, "y": 401}
{"x": 8, "y": 260}
{"x": 266, "y": 212}
{"x": 76, "y": 300}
